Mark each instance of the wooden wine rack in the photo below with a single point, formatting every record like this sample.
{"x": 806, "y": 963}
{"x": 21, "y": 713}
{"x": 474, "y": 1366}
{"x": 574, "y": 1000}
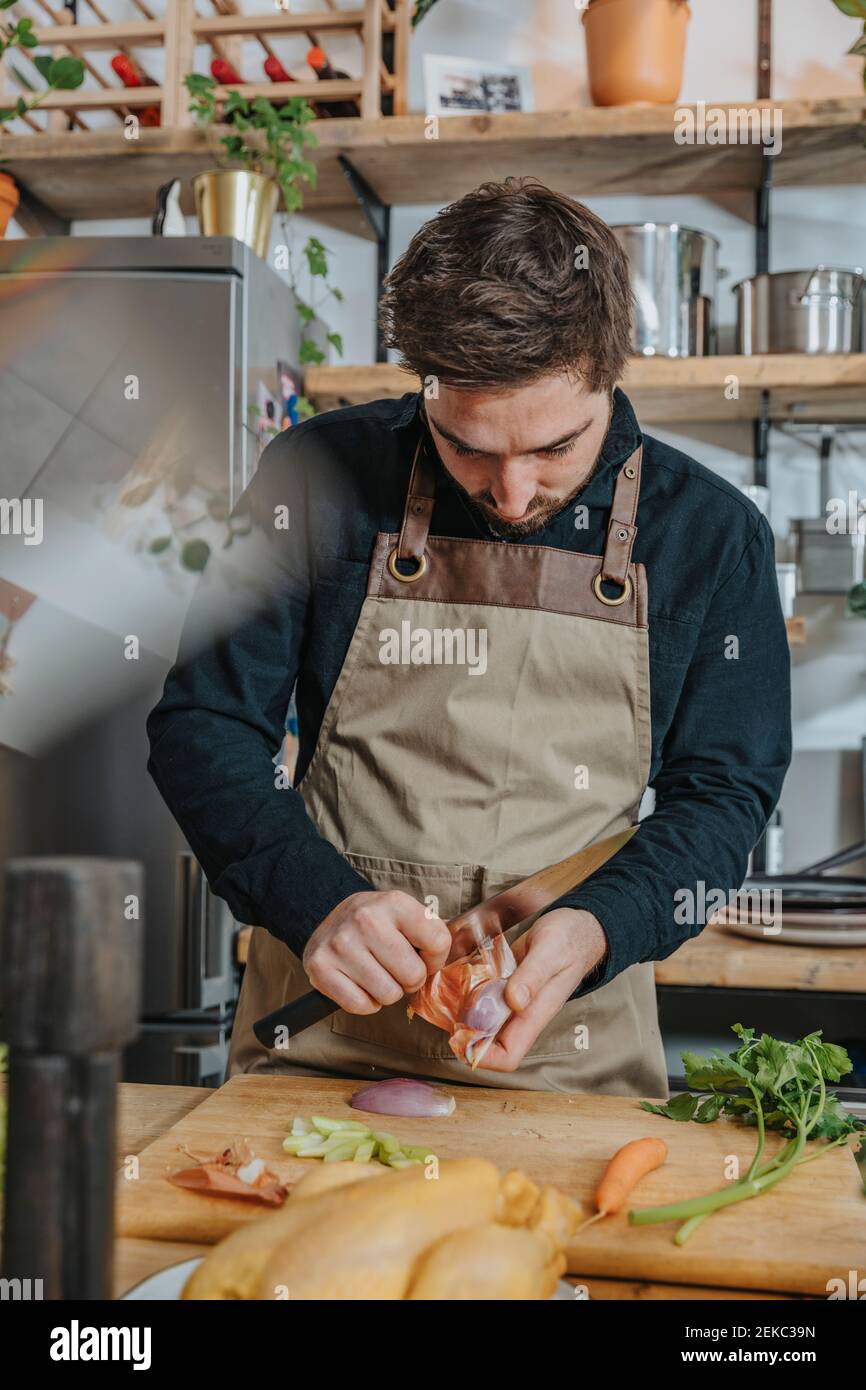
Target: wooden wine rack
{"x": 381, "y": 27}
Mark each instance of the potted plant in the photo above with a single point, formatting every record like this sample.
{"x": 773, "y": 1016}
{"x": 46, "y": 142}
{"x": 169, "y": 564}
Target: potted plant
{"x": 59, "y": 73}
{"x": 260, "y": 156}
{"x": 268, "y": 144}
{"x": 635, "y": 50}
{"x": 855, "y": 9}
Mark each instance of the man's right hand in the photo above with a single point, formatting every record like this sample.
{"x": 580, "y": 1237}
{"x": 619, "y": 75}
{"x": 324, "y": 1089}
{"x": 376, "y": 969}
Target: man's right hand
{"x": 374, "y": 948}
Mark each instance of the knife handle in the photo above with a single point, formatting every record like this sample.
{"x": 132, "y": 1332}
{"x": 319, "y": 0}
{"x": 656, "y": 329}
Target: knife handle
{"x": 295, "y": 1017}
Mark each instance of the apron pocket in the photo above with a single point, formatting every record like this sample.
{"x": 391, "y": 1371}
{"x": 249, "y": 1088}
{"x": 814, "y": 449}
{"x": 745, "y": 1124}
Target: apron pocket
{"x": 455, "y": 888}
{"x": 563, "y": 1036}
{"x": 444, "y": 887}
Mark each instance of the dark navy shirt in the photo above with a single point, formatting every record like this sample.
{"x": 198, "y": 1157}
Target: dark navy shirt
{"x": 719, "y": 674}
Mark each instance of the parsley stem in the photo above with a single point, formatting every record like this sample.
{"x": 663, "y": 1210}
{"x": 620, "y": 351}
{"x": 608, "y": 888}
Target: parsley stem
{"x": 712, "y": 1201}
{"x": 762, "y": 1135}
{"x": 696, "y": 1206}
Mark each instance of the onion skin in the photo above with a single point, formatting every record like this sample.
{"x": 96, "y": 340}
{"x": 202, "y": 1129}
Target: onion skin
{"x": 448, "y": 997}
{"x": 401, "y": 1095}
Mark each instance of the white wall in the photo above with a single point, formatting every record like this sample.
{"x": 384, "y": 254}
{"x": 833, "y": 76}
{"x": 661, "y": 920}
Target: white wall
{"x": 810, "y": 40}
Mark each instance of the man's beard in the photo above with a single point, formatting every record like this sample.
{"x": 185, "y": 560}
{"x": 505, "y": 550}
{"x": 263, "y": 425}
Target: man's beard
{"x": 542, "y": 508}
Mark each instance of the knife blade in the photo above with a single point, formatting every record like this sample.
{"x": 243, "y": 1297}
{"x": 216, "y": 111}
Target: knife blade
{"x": 468, "y": 930}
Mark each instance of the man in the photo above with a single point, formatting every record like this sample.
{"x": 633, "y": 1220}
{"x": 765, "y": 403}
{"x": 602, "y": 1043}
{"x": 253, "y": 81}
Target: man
{"x": 506, "y": 613}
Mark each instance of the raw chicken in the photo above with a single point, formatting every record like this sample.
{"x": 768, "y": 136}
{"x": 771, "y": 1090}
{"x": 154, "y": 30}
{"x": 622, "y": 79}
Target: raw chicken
{"x": 489, "y": 1262}
{"x": 466, "y": 999}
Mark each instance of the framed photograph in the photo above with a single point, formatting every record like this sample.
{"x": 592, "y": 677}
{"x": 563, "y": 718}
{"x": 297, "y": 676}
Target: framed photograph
{"x": 268, "y": 413}
{"x": 289, "y": 388}
{"x": 463, "y": 86}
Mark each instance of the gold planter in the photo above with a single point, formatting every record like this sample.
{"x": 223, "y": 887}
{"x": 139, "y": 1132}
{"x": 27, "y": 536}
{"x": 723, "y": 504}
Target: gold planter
{"x": 232, "y": 202}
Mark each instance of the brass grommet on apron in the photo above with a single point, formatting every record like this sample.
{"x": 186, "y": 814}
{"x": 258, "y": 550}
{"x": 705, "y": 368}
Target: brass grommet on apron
{"x": 611, "y": 602}
{"x": 629, "y": 471}
{"x": 406, "y": 578}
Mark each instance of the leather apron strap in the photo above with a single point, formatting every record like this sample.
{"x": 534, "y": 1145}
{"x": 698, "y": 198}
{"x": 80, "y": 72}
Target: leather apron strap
{"x": 621, "y": 529}
{"x": 417, "y": 513}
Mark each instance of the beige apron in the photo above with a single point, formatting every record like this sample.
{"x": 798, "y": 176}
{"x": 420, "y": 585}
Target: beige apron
{"x": 423, "y": 765}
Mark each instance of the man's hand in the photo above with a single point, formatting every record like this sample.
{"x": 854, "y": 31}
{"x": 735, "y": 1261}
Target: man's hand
{"x": 374, "y": 948}
{"x": 553, "y": 957}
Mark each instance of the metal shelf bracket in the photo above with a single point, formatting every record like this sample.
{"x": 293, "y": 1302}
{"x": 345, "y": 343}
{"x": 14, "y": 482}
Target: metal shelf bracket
{"x": 762, "y": 223}
{"x": 378, "y": 215}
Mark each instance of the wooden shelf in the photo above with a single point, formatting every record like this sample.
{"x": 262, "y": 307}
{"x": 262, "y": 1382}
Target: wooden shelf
{"x": 670, "y": 390}
{"x": 53, "y": 196}
{"x": 587, "y": 150}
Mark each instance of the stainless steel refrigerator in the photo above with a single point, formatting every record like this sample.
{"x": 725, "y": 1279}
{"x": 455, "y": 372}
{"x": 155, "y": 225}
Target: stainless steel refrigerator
{"x": 135, "y": 376}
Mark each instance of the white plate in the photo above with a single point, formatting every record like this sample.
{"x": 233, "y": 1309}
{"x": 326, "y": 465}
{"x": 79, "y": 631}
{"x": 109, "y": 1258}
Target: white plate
{"x": 789, "y": 935}
{"x": 839, "y": 921}
{"x": 166, "y": 1285}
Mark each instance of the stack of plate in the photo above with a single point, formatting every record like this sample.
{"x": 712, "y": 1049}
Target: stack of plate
{"x": 814, "y": 911}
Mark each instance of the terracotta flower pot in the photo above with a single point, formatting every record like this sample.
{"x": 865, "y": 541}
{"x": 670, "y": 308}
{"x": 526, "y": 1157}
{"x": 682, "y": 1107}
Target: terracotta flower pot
{"x": 9, "y": 200}
{"x": 635, "y": 50}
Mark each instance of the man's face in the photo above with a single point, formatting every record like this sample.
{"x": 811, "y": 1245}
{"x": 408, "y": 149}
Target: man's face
{"x": 522, "y": 453}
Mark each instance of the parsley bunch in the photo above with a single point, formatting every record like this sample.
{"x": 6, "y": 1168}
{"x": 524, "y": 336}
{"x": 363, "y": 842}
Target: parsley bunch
{"x": 770, "y": 1085}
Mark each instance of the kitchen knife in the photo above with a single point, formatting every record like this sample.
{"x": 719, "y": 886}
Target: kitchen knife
{"x": 469, "y": 930}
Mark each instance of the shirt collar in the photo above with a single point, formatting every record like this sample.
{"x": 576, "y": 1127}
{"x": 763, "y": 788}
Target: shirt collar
{"x": 623, "y": 433}
{"x": 409, "y": 406}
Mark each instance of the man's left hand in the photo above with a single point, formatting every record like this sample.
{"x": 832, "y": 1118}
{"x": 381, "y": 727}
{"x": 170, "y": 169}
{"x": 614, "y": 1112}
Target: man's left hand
{"x": 553, "y": 957}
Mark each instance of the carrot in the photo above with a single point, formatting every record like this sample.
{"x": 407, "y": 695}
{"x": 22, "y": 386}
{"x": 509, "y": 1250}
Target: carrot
{"x": 624, "y": 1171}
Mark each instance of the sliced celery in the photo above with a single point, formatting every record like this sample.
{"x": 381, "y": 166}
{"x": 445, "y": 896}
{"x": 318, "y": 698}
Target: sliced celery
{"x": 340, "y": 1153}
{"x": 311, "y": 1140}
{"x": 387, "y": 1143}
{"x": 320, "y": 1136}
{"x": 293, "y": 1143}
{"x": 342, "y": 1140}
{"x": 420, "y": 1152}
{"x": 326, "y": 1126}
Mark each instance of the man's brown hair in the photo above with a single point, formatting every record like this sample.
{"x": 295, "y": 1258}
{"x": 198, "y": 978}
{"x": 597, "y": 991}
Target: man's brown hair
{"x": 490, "y": 292}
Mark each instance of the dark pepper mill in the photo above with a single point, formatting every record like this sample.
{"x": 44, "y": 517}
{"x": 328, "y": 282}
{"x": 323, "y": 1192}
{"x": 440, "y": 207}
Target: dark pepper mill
{"x": 71, "y": 980}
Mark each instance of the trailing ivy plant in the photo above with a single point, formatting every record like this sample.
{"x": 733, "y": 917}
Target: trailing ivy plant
{"x": 421, "y": 8}
{"x": 856, "y": 9}
{"x": 270, "y": 140}
{"x": 60, "y": 74}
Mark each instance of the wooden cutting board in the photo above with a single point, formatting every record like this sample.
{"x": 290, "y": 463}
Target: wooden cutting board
{"x": 810, "y": 1229}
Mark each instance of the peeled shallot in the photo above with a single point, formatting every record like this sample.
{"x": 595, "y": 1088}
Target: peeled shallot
{"x": 467, "y": 999}
{"x": 401, "y": 1095}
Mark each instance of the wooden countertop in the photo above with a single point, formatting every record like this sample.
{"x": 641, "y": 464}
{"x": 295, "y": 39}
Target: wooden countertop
{"x": 143, "y": 1114}
{"x": 147, "y": 1111}
{"x": 719, "y": 958}
{"x": 725, "y": 961}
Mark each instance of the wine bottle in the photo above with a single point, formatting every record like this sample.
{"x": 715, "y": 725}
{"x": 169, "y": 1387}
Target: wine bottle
{"x": 277, "y": 73}
{"x": 131, "y": 77}
{"x": 226, "y": 76}
{"x": 318, "y": 61}
{"x": 225, "y": 73}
